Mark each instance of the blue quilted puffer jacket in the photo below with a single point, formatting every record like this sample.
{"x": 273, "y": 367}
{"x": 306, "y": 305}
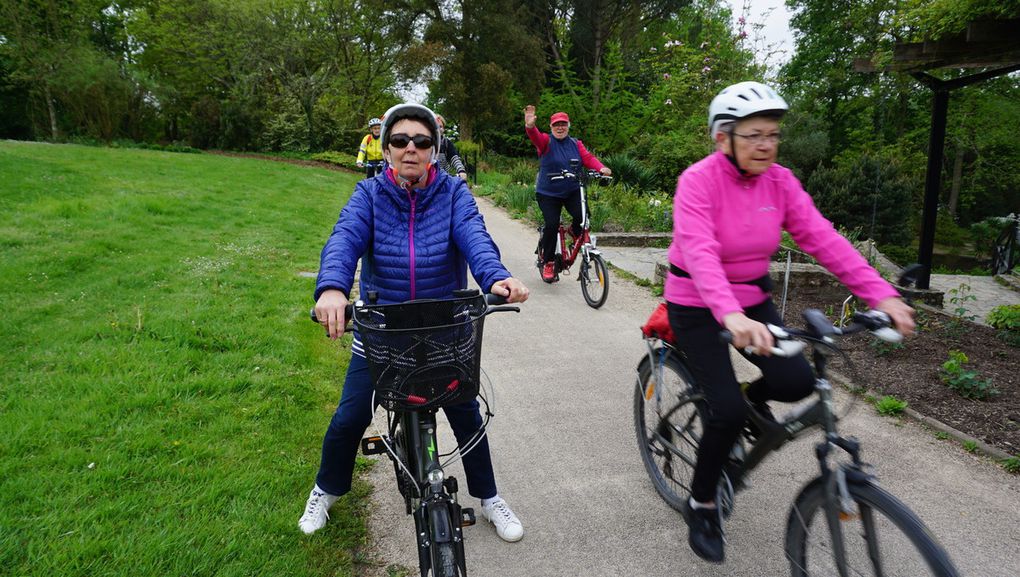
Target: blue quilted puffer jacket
{"x": 412, "y": 244}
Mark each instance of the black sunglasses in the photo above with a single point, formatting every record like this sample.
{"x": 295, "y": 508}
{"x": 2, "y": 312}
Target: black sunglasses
{"x": 421, "y": 141}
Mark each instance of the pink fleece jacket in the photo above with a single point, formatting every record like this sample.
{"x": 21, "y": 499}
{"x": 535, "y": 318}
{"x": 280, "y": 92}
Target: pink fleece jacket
{"x": 726, "y": 226}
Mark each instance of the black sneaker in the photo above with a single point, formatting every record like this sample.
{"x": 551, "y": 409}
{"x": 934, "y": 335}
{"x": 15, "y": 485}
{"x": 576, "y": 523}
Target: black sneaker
{"x": 704, "y": 533}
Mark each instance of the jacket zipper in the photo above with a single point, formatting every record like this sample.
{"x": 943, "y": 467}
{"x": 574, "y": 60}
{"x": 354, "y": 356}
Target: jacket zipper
{"x": 413, "y": 198}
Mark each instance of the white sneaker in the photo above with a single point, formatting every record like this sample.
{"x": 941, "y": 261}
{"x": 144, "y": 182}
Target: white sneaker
{"x": 508, "y": 526}
{"x": 316, "y": 511}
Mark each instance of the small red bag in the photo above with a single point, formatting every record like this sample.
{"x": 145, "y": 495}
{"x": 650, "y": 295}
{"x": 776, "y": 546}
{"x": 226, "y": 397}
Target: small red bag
{"x": 657, "y": 326}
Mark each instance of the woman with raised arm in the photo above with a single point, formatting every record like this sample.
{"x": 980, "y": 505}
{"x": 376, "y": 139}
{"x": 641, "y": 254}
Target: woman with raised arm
{"x": 416, "y": 230}
{"x": 730, "y": 209}
{"x": 555, "y": 155}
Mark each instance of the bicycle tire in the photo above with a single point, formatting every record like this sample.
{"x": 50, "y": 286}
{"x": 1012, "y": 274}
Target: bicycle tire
{"x": 668, "y": 421}
{"x": 443, "y": 550}
{"x": 898, "y": 542}
{"x": 594, "y": 288}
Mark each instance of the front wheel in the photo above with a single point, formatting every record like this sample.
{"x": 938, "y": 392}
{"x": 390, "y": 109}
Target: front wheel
{"x": 444, "y": 560}
{"x": 879, "y": 536}
{"x": 594, "y": 281}
{"x": 444, "y": 538}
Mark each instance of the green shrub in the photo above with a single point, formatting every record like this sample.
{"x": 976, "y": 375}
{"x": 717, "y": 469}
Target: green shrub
{"x": 630, "y": 172}
{"x": 870, "y": 192}
{"x": 1006, "y": 318}
{"x": 339, "y": 158}
{"x": 890, "y": 406}
{"x": 1011, "y": 464}
{"x": 468, "y": 150}
{"x": 967, "y": 384}
{"x": 523, "y": 172}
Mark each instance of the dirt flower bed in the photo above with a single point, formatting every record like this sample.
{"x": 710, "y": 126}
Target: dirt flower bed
{"x": 912, "y": 373}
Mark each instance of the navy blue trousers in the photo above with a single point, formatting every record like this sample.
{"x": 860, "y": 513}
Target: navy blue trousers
{"x": 353, "y": 416}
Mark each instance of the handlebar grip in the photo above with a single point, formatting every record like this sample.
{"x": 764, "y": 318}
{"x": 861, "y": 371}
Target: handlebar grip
{"x": 494, "y": 300}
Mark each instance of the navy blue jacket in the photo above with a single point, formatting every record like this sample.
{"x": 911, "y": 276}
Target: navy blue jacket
{"x": 412, "y": 244}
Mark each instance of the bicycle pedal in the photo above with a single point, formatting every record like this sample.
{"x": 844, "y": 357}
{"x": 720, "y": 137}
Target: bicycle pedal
{"x": 372, "y": 446}
{"x": 467, "y": 517}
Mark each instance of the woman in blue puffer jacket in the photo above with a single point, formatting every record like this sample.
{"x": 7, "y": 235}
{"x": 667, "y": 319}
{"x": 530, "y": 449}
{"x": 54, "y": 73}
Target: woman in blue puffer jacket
{"x": 416, "y": 231}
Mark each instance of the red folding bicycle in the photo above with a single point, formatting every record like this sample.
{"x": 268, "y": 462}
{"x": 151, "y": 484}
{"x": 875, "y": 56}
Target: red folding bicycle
{"x": 593, "y": 274}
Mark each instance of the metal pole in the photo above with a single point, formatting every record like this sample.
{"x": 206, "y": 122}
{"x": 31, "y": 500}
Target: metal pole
{"x": 932, "y": 181}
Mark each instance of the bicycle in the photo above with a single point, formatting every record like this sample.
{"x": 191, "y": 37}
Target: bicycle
{"x": 373, "y": 167}
{"x": 1006, "y": 250}
{"x": 593, "y": 275}
{"x": 424, "y": 355}
{"x": 669, "y": 412}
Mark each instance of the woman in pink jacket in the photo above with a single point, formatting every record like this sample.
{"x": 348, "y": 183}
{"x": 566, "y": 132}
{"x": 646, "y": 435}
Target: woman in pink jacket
{"x": 729, "y": 211}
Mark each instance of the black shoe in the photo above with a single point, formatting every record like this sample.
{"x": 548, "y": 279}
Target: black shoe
{"x": 704, "y": 533}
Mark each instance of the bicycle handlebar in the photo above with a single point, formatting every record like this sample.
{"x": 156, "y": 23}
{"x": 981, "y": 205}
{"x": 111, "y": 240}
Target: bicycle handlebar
{"x": 495, "y": 304}
{"x": 588, "y": 174}
{"x": 820, "y": 330}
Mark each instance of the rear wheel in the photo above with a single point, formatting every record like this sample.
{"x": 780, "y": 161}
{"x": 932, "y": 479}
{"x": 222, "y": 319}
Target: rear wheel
{"x": 880, "y": 536}
{"x": 594, "y": 281}
{"x": 668, "y": 419}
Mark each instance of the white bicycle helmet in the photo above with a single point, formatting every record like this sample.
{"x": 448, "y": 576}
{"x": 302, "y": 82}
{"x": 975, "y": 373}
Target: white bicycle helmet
{"x": 743, "y": 100}
{"x": 413, "y": 111}
{"x": 374, "y": 122}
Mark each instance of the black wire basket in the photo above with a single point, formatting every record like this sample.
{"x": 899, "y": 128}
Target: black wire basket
{"x": 423, "y": 354}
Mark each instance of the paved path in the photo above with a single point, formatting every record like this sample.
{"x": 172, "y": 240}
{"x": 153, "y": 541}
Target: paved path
{"x": 987, "y": 293}
{"x": 566, "y": 459}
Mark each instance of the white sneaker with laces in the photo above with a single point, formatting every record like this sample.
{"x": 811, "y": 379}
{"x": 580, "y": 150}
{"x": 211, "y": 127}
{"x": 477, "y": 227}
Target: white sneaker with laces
{"x": 508, "y": 526}
{"x": 316, "y": 511}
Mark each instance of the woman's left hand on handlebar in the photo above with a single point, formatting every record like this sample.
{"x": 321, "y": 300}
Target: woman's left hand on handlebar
{"x": 901, "y": 313}
{"x": 511, "y": 288}
{"x": 606, "y": 171}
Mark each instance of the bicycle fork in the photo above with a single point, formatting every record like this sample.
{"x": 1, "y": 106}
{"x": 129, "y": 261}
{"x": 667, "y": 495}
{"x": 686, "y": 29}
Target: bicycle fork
{"x": 438, "y": 517}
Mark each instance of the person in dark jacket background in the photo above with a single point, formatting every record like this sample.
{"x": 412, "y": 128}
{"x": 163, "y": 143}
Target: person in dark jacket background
{"x": 416, "y": 230}
{"x": 449, "y": 159}
{"x": 555, "y": 155}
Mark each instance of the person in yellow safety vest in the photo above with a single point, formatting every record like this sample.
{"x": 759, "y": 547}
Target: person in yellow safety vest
{"x": 370, "y": 153}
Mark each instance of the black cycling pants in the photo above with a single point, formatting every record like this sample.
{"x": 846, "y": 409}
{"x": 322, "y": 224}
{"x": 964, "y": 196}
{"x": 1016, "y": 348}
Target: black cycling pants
{"x": 550, "y": 207}
{"x": 373, "y": 168}
{"x": 784, "y": 379}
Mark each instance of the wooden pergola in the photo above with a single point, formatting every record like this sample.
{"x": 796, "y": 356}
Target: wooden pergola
{"x": 990, "y": 44}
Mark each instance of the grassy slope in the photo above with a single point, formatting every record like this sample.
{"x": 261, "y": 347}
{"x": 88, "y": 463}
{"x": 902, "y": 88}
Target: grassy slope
{"x": 163, "y": 395}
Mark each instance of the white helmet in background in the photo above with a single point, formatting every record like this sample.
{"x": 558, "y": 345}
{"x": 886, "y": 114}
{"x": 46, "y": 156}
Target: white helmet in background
{"x": 414, "y": 112}
{"x": 743, "y": 100}
{"x": 374, "y": 122}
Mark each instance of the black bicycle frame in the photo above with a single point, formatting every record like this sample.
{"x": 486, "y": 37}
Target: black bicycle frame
{"x": 774, "y": 435}
{"x": 418, "y": 435}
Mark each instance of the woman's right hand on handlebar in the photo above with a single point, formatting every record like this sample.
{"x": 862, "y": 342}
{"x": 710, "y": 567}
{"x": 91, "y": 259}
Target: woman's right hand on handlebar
{"x": 749, "y": 333}
{"x": 329, "y": 309}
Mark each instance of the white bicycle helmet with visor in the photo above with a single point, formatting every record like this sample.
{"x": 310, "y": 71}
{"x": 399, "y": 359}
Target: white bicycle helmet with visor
{"x": 414, "y": 112}
{"x": 744, "y": 100}
{"x": 374, "y": 122}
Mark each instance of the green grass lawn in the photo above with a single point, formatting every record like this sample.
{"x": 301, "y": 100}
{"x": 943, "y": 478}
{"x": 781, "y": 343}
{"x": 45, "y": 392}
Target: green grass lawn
{"x": 163, "y": 395}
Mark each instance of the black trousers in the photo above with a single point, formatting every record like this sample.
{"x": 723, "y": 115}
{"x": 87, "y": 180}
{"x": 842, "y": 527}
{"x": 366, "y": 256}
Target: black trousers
{"x": 783, "y": 379}
{"x": 550, "y": 207}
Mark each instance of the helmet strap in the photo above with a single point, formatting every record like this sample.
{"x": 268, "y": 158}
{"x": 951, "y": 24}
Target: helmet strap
{"x": 732, "y": 154}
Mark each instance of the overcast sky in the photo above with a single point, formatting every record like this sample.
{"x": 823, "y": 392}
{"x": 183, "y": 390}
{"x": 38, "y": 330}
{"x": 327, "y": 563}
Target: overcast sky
{"x": 776, "y": 32}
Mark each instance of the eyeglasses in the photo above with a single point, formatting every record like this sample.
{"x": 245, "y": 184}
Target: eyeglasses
{"x": 421, "y": 141}
{"x": 756, "y": 139}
